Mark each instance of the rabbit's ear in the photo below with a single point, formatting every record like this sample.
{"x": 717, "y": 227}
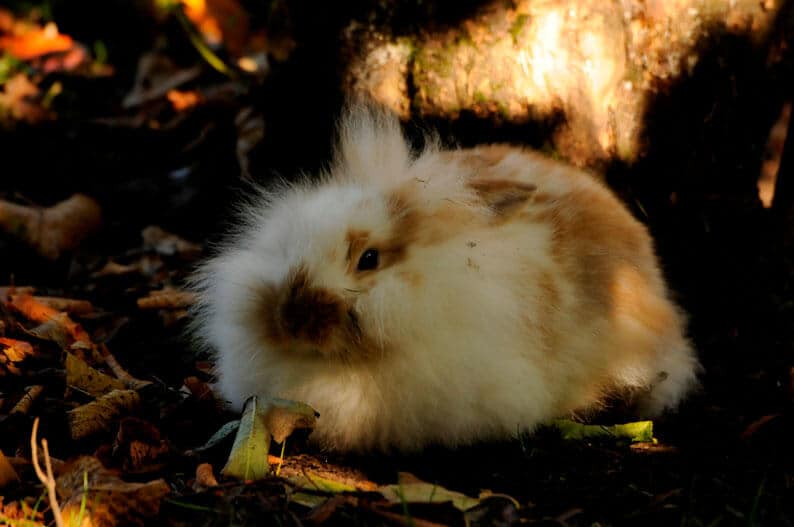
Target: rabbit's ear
{"x": 503, "y": 196}
{"x": 371, "y": 146}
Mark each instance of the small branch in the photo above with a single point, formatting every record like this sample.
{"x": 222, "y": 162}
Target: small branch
{"x": 47, "y": 479}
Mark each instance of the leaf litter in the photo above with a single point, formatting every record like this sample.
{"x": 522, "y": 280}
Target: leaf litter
{"x": 144, "y": 410}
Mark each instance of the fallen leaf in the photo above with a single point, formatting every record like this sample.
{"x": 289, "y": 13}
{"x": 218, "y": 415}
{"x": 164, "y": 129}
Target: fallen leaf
{"x": 16, "y": 350}
{"x": 167, "y": 298}
{"x": 35, "y": 42}
{"x": 7, "y": 472}
{"x": 139, "y": 445}
{"x": 54, "y": 230}
{"x": 168, "y": 244}
{"x": 248, "y": 457}
{"x": 80, "y": 375}
{"x": 410, "y": 490}
{"x": 205, "y": 478}
{"x": 99, "y": 415}
{"x": 31, "y": 394}
{"x": 282, "y": 417}
{"x": 20, "y": 99}
{"x": 636, "y": 432}
{"x": 54, "y": 330}
{"x": 98, "y": 496}
{"x": 72, "y": 306}
{"x": 222, "y": 433}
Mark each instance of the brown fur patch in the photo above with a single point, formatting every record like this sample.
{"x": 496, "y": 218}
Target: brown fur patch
{"x": 503, "y": 196}
{"x": 295, "y": 315}
{"x": 309, "y": 313}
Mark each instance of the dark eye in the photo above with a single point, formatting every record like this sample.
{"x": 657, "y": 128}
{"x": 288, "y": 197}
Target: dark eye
{"x": 368, "y": 260}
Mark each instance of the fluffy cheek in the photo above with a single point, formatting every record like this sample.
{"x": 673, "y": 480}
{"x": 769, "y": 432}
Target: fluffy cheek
{"x": 296, "y": 317}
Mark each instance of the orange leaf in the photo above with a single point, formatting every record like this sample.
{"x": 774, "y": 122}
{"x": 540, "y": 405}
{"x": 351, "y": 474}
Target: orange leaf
{"x": 220, "y": 21}
{"x": 16, "y": 350}
{"x": 36, "y": 42}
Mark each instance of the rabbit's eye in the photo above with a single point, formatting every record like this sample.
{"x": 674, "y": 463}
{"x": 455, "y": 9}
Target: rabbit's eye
{"x": 368, "y": 260}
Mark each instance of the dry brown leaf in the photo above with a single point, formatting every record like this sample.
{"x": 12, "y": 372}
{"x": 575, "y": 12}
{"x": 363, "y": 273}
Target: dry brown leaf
{"x": 167, "y": 298}
{"x": 16, "y": 350}
{"x": 168, "y": 244}
{"x": 7, "y": 472}
{"x": 205, "y": 478}
{"x": 52, "y": 230}
{"x": 110, "y": 501}
{"x": 112, "y": 268}
{"x": 55, "y": 326}
{"x": 99, "y": 415}
{"x": 72, "y": 306}
{"x": 80, "y": 375}
{"x": 31, "y": 394}
{"x": 139, "y": 445}
{"x": 20, "y": 99}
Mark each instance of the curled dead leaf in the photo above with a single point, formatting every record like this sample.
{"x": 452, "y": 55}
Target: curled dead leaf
{"x": 20, "y": 99}
{"x": 90, "y": 491}
{"x": 139, "y": 446}
{"x": 53, "y": 230}
{"x": 80, "y": 375}
{"x": 168, "y": 244}
{"x": 16, "y": 350}
{"x": 99, "y": 415}
{"x": 205, "y": 478}
{"x": 167, "y": 298}
{"x": 282, "y": 417}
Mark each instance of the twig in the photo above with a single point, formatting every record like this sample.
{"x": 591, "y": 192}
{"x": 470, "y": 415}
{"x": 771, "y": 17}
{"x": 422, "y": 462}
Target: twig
{"x": 47, "y": 479}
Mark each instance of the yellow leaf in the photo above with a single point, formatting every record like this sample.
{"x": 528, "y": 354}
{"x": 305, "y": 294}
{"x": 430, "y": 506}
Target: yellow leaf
{"x": 99, "y": 415}
{"x": 411, "y": 490}
{"x": 263, "y": 418}
{"x": 82, "y": 376}
{"x": 248, "y": 458}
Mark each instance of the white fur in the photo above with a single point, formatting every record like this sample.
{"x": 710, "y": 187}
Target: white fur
{"x": 460, "y": 357}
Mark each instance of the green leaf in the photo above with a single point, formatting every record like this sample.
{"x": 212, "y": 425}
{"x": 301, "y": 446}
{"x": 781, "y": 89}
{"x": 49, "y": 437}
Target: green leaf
{"x": 222, "y": 433}
{"x": 421, "y": 492}
{"x": 248, "y": 458}
{"x": 639, "y": 431}
{"x": 263, "y": 418}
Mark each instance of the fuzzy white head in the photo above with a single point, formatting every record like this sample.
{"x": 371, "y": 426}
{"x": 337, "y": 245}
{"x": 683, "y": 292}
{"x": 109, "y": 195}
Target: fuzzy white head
{"x": 440, "y": 296}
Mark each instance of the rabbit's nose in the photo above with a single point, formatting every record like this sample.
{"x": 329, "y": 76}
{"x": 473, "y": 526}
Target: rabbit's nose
{"x": 310, "y": 313}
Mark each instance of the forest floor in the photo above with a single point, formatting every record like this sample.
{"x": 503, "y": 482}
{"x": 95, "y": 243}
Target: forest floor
{"x": 163, "y": 156}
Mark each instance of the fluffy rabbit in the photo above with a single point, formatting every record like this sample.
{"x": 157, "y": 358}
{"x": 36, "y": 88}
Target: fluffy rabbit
{"x": 440, "y": 297}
